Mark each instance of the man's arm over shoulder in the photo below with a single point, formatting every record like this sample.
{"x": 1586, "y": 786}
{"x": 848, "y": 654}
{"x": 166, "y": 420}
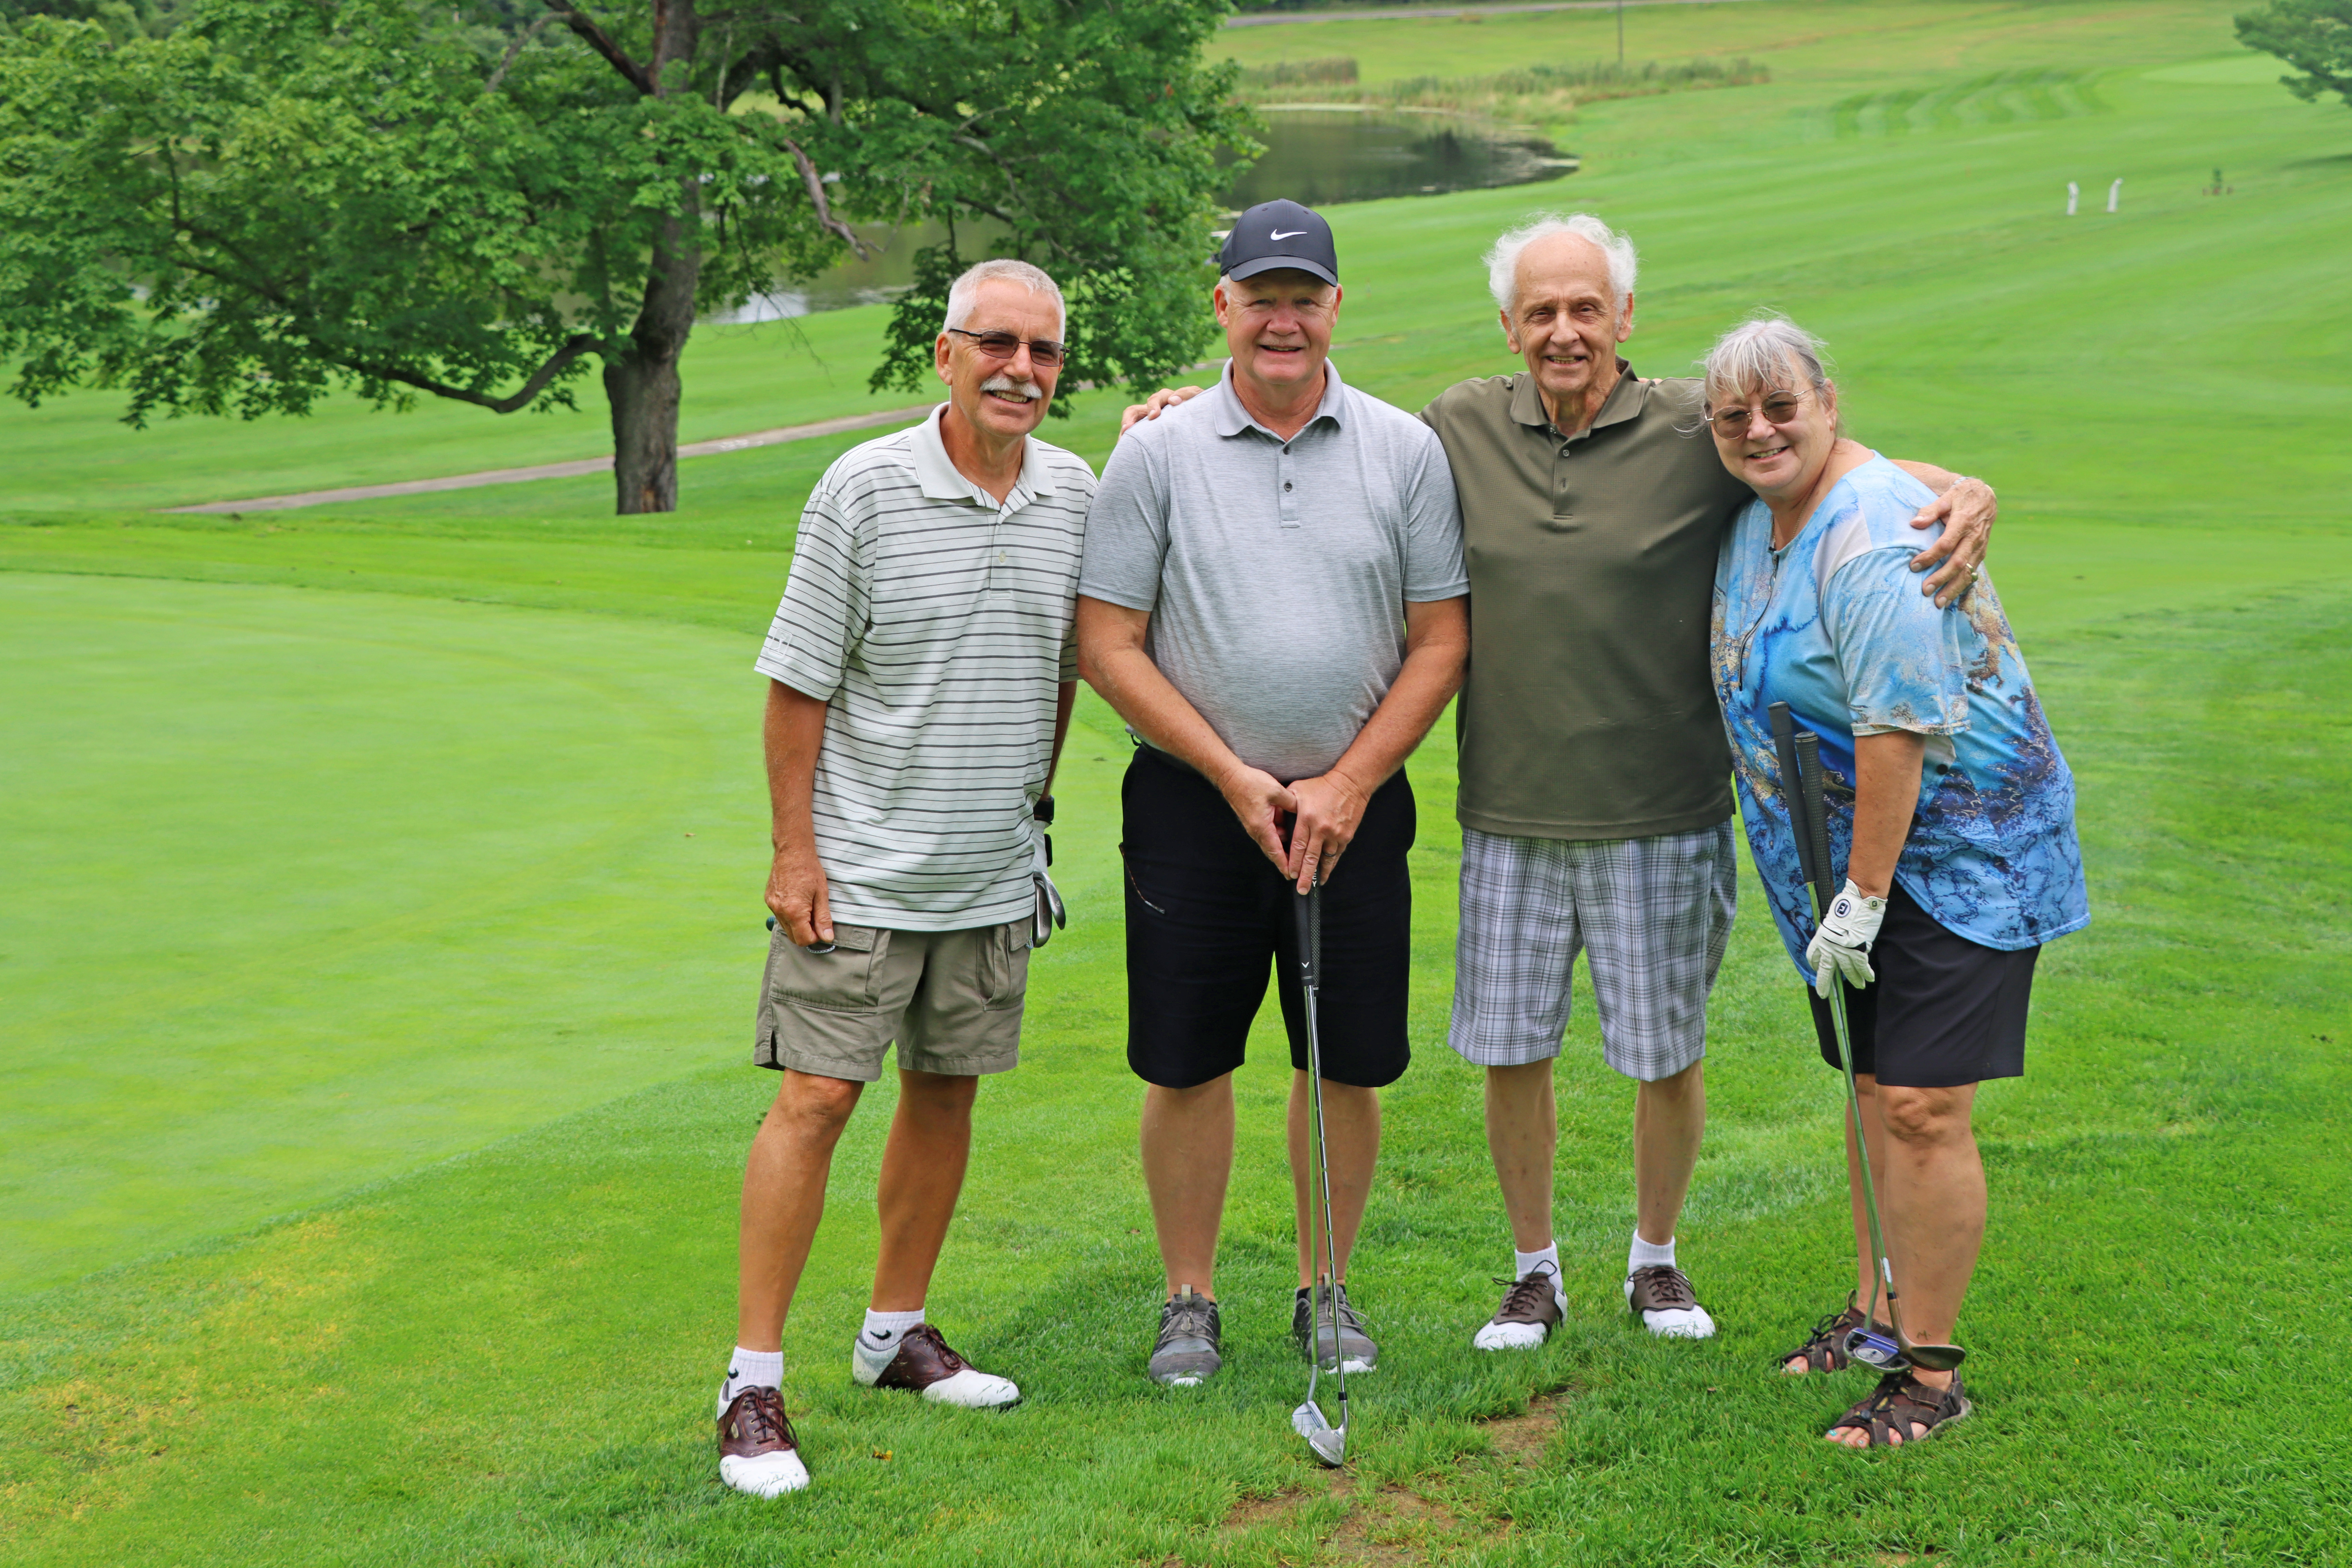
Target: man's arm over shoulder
{"x": 1127, "y": 526}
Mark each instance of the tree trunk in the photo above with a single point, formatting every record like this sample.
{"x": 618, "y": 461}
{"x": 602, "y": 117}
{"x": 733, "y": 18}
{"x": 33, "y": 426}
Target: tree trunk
{"x": 642, "y": 386}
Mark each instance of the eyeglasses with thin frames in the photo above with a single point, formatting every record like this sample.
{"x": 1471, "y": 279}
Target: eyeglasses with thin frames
{"x": 1781, "y": 409}
{"x": 1043, "y": 352}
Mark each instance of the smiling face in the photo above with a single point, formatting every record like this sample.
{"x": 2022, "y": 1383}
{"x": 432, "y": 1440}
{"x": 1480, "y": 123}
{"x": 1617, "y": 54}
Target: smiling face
{"x": 1564, "y": 321}
{"x": 1278, "y": 327}
{"x": 1001, "y": 397}
{"x": 1781, "y": 447}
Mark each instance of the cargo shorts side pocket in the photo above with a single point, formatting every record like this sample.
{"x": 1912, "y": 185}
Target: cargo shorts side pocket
{"x": 1003, "y": 960}
{"x": 846, "y": 980}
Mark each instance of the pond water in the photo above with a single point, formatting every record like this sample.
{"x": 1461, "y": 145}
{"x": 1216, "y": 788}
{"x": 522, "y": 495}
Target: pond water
{"x": 1341, "y": 153}
{"x": 1315, "y": 155}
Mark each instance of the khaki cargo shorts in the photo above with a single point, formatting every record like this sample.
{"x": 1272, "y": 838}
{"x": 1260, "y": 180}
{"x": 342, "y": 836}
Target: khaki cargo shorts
{"x": 952, "y": 999}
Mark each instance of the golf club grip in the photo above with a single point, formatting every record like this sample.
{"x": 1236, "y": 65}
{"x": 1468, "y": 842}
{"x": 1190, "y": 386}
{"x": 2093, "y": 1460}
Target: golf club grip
{"x": 1817, "y": 824}
{"x": 1310, "y": 937}
{"x": 1315, "y": 934}
{"x": 1306, "y": 911}
{"x": 1784, "y": 743}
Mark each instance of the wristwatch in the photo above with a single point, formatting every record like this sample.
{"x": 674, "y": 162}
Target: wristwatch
{"x": 1044, "y": 810}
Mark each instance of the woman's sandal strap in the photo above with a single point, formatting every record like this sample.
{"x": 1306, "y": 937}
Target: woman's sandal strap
{"x": 1900, "y": 1403}
{"x": 1824, "y": 1347}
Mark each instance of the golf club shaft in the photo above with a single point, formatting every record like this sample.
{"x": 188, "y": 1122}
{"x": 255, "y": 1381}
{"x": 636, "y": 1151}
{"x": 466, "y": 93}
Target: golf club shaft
{"x": 1310, "y": 954}
{"x": 1812, "y": 826}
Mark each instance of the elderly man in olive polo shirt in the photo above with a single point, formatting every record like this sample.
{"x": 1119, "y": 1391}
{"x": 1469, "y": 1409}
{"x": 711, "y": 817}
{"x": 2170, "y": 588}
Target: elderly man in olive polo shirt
{"x": 1595, "y": 786}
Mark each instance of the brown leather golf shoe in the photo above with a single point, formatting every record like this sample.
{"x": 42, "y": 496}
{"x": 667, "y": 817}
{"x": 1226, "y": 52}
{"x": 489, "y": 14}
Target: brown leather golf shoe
{"x": 1661, "y": 1297}
{"x": 923, "y": 1363}
{"x": 1532, "y": 1307}
{"x": 758, "y": 1454}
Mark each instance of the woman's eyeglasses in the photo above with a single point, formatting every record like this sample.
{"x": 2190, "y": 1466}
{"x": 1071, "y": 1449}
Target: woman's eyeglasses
{"x": 1043, "y": 352}
{"x": 1778, "y": 409}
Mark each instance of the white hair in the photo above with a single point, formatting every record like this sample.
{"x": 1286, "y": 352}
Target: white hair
{"x": 1757, "y": 356}
{"x": 1503, "y": 260}
{"x": 965, "y": 289}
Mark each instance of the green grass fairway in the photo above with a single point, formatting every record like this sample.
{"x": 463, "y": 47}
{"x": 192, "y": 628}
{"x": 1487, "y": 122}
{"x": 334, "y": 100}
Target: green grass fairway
{"x": 382, "y": 925}
{"x": 74, "y": 453}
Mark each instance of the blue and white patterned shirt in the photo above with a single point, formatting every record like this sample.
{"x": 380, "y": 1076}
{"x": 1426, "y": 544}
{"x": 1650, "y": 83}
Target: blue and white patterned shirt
{"x": 1834, "y": 625}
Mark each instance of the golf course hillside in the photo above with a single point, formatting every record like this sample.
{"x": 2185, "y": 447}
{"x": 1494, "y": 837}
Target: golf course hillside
{"x": 382, "y": 925}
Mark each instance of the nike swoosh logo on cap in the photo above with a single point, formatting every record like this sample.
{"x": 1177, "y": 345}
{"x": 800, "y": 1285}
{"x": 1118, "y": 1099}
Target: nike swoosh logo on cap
{"x": 1277, "y": 234}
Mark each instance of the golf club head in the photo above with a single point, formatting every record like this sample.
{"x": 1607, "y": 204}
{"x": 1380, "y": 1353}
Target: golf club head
{"x": 1936, "y": 1358}
{"x": 1874, "y": 1347}
{"x": 1329, "y": 1442}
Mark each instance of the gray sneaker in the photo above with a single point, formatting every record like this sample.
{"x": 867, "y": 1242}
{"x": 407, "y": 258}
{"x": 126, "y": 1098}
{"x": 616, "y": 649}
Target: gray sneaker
{"x": 1352, "y": 1343}
{"x": 1186, "y": 1351}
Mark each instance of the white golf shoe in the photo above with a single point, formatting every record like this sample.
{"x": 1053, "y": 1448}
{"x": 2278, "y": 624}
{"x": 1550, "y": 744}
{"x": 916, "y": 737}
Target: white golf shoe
{"x": 758, "y": 1454}
{"x": 922, "y": 1363}
{"x": 1532, "y": 1307}
{"x": 1661, "y": 1297}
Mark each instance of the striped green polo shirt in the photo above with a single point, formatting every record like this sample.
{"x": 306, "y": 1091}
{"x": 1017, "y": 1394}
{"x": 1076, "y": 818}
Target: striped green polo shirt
{"x": 937, "y": 623}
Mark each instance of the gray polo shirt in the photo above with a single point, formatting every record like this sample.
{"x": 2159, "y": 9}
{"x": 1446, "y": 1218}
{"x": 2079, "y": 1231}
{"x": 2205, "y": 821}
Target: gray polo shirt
{"x": 1277, "y": 572}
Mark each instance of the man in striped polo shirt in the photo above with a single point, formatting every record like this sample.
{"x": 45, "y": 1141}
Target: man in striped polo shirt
{"x": 921, "y": 672}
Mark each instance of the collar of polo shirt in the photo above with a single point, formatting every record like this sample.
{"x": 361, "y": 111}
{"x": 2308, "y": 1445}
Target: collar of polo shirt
{"x": 1624, "y": 401}
{"x": 1232, "y": 418}
{"x": 942, "y": 481}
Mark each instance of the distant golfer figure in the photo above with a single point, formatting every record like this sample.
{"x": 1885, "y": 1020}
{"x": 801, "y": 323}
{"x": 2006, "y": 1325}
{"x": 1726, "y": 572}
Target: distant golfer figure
{"x": 921, "y": 668}
{"x": 1273, "y": 600}
{"x": 1949, "y": 809}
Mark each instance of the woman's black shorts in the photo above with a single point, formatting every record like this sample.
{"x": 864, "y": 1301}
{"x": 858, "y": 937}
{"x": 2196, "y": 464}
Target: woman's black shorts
{"x": 1207, "y": 912}
{"x": 1944, "y": 1010}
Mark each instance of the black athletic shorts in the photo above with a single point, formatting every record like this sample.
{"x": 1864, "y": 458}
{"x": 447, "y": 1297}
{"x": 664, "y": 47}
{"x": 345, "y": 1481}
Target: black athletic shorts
{"x": 1944, "y": 1010}
{"x": 1207, "y": 912}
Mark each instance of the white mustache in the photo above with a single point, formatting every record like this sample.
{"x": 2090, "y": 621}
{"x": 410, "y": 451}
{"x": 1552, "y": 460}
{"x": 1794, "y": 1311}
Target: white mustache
{"x": 1000, "y": 382}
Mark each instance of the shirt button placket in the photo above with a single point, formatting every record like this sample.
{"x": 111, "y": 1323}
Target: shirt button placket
{"x": 1286, "y": 476}
{"x": 1563, "y": 508}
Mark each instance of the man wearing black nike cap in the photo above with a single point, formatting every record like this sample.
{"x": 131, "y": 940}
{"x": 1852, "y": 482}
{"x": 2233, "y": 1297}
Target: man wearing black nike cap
{"x": 1273, "y": 598}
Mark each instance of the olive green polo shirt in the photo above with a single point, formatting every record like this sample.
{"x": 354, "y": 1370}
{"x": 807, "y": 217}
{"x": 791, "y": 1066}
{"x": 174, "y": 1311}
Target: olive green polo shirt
{"x": 1589, "y": 711}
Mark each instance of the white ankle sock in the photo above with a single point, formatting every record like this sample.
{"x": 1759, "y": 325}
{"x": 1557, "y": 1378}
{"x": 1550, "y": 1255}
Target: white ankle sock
{"x": 1645, "y": 1256}
{"x": 884, "y": 1329}
{"x": 751, "y": 1368}
{"x": 1523, "y": 1263}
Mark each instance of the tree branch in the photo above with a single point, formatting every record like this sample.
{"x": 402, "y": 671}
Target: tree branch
{"x": 824, "y": 217}
{"x": 577, "y": 344}
{"x": 596, "y": 39}
{"x": 506, "y": 64}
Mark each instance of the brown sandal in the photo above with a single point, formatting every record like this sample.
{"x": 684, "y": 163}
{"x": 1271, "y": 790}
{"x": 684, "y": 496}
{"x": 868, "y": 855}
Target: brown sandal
{"x": 1824, "y": 1348}
{"x": 1899, "y": 1403}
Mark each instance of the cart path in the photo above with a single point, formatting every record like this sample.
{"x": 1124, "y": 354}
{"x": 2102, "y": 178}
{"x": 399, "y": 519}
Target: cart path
{"x": 1404, "y": 13}
{"x": 560, "y": 470}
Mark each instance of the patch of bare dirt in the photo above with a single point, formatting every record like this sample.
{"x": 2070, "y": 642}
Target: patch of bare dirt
{"x": 1520, "y": 1439}
{"x": 1399, "y": 1525}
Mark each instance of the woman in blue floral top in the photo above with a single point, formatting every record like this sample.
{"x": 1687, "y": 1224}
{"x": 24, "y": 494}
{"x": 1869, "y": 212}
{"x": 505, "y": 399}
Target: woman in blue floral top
{"x": 1950, "y": 811}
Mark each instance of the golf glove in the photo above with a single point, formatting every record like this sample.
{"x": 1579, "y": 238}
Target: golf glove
{"x": 1049, "y": 912}
{"x": 1841, "y": 948}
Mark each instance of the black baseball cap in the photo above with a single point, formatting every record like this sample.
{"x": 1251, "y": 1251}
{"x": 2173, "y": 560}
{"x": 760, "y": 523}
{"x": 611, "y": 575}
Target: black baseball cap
{"x": 1279, "y": 234}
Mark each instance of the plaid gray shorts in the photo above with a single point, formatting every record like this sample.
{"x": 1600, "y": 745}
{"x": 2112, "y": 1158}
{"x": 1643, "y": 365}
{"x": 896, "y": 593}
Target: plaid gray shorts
{"x": 1653, "y": 915}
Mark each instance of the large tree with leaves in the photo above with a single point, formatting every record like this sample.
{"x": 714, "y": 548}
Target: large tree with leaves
{"x": 280, "y": 196}
{"x": 2312, "y": 36}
